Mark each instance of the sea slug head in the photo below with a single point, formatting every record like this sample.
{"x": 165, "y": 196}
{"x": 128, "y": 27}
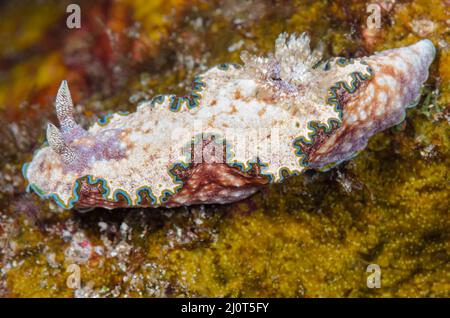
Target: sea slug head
{"x": 69, "y": 152}
{"x": 61, "y": 152}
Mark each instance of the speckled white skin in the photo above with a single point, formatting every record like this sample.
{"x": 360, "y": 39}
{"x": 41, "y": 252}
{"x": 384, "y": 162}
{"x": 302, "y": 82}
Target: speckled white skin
{"x": 260, "y": 110}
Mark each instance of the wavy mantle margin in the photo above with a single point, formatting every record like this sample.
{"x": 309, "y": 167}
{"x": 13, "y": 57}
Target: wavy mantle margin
{"x": 333, "y": 100}
{"x": 192, "y": 100}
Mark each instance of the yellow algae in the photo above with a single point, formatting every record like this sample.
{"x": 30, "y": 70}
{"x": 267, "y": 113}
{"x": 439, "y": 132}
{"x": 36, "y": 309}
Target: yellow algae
{"x": 444, "y": 77}
{"x": 155, "y": 15}
{"x": 405, "y": 17}
{"x": 25, "y": 25}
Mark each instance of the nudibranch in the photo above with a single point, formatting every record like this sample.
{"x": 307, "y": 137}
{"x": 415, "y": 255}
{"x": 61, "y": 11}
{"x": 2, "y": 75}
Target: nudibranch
{"x": 240, "y": 128}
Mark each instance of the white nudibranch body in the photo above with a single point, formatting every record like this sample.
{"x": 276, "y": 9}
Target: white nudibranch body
{"x": 240, "y": 128}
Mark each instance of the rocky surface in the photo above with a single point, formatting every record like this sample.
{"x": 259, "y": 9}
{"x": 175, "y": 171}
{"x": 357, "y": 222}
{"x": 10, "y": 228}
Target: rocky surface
{"x": 312, "y": 236}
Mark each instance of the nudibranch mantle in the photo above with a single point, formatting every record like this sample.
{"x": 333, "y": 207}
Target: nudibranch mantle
{"x": 241, "y": 127}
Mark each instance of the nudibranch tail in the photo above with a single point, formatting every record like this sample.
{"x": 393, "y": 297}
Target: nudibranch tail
{"x": 240, "y": 128}
{"x": 379, "y": 104}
